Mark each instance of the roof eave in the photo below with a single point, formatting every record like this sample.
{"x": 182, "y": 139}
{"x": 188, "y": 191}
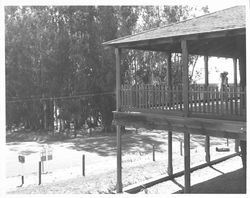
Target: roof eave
{"x": 178, "y": 38}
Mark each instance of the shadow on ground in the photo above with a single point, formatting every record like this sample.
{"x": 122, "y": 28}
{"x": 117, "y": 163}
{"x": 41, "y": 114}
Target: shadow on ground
{"x": 228, "y": 183}
{"x": 104, "y": 144}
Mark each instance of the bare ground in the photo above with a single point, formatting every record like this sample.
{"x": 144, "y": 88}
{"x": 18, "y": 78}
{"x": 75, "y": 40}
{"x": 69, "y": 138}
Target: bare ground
{"x": 137, "y": 165}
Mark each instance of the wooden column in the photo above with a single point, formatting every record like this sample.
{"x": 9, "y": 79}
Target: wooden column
{"x": 235, "y": 71}
{"x": 169, "y": 77}
{"x": 207, "y": 148}
{"x": 169, "y": 73}
{"x": 187, "y": 188}
{"x": 236, "y": 146}
{"x": 170, "y": 152}
{"x": 118, "y": 128}
{"x": 45, "y": 114}
{"x": 185, "y": 88}
{"x": 207, "y": 140}
{"x": 118, "y": 78}
{"x": 242, "y": 67}
{"x": 185, "y": 80}
{"x": 119, "y": 160}
{"x": 206, "y": 70}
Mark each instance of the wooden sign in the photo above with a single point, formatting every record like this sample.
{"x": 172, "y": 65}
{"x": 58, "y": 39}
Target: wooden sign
{"x": 43, "y": 158}
{"x": 21, "y": 159}
{"x": 46, "y": 154}
{"x": 43, "y": 155}
{"x": 49, "y": 153}
{"x": 49, "y": 157}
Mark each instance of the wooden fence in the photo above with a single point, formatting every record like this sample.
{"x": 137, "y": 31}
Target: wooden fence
{"x": 205, "y": 100}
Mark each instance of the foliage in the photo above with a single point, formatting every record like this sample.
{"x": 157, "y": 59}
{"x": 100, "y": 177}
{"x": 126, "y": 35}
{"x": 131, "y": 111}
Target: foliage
{"x": 57, "y": 52}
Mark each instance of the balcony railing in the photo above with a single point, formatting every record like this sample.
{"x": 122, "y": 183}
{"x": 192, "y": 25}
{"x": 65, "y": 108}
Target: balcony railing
{"x": 202, "y": 100}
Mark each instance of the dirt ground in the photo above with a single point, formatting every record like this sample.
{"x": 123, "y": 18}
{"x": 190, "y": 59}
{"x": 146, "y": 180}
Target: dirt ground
{"x": 65, "y": 170}
{"x": 225, "y": 177}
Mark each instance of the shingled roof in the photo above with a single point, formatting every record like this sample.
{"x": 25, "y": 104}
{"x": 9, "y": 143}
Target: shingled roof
{"x": 229, "y": 19}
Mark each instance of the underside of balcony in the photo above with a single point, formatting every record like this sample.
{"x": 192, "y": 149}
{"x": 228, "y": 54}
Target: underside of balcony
{"x": 179, "y": 123}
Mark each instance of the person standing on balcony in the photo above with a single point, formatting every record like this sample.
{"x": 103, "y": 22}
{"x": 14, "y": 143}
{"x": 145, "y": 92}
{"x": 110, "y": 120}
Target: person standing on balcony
{"x": 224, "y": 86}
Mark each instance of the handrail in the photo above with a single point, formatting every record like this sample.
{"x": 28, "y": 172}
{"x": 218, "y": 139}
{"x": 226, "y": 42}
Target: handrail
{"x": 202, "y": 99}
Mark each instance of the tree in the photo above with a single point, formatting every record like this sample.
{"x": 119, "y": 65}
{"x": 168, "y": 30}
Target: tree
{"x": 55, "y": 53}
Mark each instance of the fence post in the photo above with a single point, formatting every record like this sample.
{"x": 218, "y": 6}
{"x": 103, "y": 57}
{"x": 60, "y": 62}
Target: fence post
{"x": 22, "y": 180}
{"x": 181, "y": 147}
{"x": 83, "y": 165}
{"x": 40, "y": 173}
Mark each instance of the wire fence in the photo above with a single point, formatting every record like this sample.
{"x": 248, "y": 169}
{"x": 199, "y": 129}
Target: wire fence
{"x": 9, "y": 100}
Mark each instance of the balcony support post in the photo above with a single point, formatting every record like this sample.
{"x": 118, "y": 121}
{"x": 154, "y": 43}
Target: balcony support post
{"x": 207, "y": 139}
{"x": 118, "y": 128}
{"x": 170, "y": 152}
{"x": 187, "y": 187}
{"x": 207, "y": 148}
{"x": 119, "y": 159}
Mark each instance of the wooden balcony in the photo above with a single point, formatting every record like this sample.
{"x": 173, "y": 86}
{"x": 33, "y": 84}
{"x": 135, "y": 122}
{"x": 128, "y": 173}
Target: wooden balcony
{"x": 186, "y": 109}
{"x": 203, "y": 102}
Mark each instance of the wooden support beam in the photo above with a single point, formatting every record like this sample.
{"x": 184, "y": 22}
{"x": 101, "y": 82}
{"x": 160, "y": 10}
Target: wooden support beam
{"x": 118, "y": 128}
{"x": 213, "y": 126}
{"x": 187, "y": 188}
{"x": 241, "y": 48}
{"x": 235, "y": 71}
{"x": 119, "y": 159}
{"x": 118, "y": 78}
{"x": 242, "y": 67}
{"x": 169, "y": 72}
{"x": 169, "y": 76}
{"x": 185, "y": 80}
{"x": 206, "y": 70}
{"x": 170, "y": 153}
{"x": 206, "y": 76}
{"x": 135, "y": 188}
{"x": 236, "y": 146}
{"x": 207, "y": 148}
